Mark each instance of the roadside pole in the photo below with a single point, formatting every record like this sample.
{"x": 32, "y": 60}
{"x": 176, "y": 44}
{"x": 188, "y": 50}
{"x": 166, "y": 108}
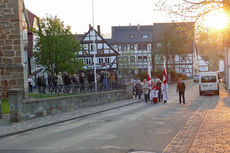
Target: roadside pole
{"x": 0, "y": 99}
{"x": 0, "y": 108}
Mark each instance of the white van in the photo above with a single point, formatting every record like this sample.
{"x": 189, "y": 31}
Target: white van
{"x": 208, "y": 83}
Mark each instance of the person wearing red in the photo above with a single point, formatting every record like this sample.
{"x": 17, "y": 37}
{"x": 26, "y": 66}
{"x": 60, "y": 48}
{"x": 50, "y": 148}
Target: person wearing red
{"x": 154, "y": 93}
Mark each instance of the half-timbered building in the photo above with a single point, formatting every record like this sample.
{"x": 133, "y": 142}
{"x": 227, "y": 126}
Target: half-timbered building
{"x": 106, "y": 55}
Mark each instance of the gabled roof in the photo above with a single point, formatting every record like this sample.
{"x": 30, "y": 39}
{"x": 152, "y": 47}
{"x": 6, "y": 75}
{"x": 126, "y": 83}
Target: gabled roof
{"x": 31, "y": 17}
{"x": 131, "y": 34}
{"x": 81, "y": 38}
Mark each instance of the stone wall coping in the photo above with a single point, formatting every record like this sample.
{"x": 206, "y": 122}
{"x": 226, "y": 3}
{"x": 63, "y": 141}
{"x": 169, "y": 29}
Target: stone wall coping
{"x": 12, "y": 65}
{"x": 15, "y": 91}
{"x": 69, "y": 97}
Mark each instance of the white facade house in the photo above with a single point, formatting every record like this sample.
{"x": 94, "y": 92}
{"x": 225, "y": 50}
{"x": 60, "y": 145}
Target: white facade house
{"x": 203, "y": 65}
{"x": 106, "y": 55}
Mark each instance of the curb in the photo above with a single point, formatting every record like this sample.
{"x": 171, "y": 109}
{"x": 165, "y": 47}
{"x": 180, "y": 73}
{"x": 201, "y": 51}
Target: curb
{"x": 66, "y": 120}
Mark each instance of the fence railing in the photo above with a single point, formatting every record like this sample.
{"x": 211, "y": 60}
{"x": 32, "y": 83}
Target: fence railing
{"x": 73, "y": 89}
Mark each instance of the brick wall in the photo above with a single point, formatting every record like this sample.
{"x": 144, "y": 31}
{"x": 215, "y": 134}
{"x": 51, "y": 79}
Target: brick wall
{"x": 11, "y": 46}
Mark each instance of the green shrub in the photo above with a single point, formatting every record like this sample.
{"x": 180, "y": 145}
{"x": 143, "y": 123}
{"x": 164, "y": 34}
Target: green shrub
{"x": 5, "y": 107}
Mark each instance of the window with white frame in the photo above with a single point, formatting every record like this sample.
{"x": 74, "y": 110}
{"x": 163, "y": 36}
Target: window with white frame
{"x": 101, "y": 60}
{"x": 119, "y": 48}
{"x": 124, "y": 47}
{"x": 158, "y": 45}
{"x": 139, "y": 58}
{"x": 145, "y": 47}
{"x": 145, "y": 58}
{"x": 81, "y": 60}
{"x": 132, "y": 59}
{"x": 107, "y": 60}
{"x": 132, "y": 47}
{"x": 140, "y": 47}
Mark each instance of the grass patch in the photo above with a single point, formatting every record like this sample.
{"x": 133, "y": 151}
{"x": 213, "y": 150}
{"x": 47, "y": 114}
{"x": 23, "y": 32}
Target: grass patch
{"x": 5, "y": 106}
{"x": 47, "y": 95}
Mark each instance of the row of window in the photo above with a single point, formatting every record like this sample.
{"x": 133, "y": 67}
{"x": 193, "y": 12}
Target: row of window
{"x": 133, "y": 60}
{"x": 144, "y": 36}
{"x": 100, "y": 60}
{"x": 132, "y": 47}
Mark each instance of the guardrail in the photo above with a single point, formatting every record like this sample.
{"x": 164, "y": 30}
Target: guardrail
{"x": 55, "y": 91}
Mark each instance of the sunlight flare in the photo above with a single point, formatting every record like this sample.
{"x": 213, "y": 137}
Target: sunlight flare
{"x": 216, "y": 19}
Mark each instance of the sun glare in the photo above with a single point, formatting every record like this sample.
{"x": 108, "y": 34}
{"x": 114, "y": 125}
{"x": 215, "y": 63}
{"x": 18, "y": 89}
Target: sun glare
{"x": 216, "y": 20}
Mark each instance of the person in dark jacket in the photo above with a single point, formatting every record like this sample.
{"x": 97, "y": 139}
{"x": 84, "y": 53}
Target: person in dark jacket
{"x": 54, "y": 82}
{"x": 90, "y": 80}
{"x": 67, "y": 82}
{"x": 43, "y": 80}
{"x": 181, "y": 90}
{"x": 75, "y": 82}
{"x": 138, "y": 89}
{"x": 39, "y": 83}
{"x": 50, "y": 83}
{"x": 159, "y": 92}
{"x": 82, "y": 81}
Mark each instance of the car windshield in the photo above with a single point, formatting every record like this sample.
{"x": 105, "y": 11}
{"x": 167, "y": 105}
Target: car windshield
{"x": 207, "y": 79}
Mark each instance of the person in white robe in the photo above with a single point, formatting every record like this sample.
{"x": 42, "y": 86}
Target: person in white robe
{"x": 154, "y": 93}
{"x": 164, "y": 90}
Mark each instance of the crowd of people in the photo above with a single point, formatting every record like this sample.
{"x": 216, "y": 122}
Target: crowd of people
{"x": 78, "y": 82}
{"x": 153, "y": 91}
{"x": 156, "y": 91}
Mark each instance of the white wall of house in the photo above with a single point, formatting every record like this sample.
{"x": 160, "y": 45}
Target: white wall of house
{"x": 203, "y": 65}
{"x": 221, "y": 66}
{"x": 141, "y": 56}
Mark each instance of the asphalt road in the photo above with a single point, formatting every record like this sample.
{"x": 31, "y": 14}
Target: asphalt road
{"x": 138, "y": 127}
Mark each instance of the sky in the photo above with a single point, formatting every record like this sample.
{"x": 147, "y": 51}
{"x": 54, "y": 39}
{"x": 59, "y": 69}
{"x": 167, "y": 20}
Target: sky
{"x": 107, "y": 13}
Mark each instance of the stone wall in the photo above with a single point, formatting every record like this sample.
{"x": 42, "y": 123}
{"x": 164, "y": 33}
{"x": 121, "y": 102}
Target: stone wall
{"x": 27, "y": 109}
{"x": 11, "y": 46}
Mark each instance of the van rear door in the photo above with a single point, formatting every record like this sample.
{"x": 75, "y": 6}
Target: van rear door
{"x": 209, "y": 83}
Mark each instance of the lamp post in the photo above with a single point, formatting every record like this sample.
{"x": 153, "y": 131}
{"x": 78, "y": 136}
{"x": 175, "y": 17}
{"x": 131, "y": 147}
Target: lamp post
{"x": 0, "y": 108}
{"x": 0, "y": 99}
{"x": 94, "y": 49}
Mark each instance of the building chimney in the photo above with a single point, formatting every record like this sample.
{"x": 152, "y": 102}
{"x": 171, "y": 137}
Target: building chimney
{"x": 89, "y": 26}
{"x": 99, "y": 29}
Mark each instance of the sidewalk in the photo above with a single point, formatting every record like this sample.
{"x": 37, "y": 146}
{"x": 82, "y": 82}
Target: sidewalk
{"x": 7, "y": 128}
{"x": 213, "y": 136}
{"x": 207, "y": 131}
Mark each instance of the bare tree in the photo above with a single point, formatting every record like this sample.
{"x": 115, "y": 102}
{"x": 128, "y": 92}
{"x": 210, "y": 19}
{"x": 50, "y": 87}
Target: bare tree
{"x": 190, "y": 9}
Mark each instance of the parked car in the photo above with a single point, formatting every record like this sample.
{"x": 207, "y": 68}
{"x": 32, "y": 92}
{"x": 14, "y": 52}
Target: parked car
{"x": 196, "y": 78}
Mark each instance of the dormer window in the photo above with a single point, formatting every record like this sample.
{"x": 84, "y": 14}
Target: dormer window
{"x": 145, "y": 36}
{"x": 131, "y": 36}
